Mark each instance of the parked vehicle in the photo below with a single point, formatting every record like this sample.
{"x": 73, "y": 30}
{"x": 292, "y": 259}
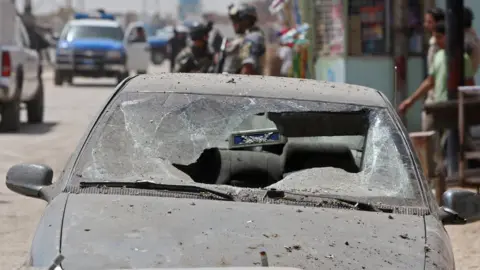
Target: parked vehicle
{"x": 207, "y": 170}
{"x": 96, "y": 46}
{"x": 21, "y": 71}
{"x": 159, "y": 47}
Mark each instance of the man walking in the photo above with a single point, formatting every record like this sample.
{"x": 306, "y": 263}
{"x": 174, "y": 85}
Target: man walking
{"x": 432, "y": 17}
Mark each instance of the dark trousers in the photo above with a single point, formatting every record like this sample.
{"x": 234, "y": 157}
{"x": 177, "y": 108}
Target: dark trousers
{"x": 172, "y": 64}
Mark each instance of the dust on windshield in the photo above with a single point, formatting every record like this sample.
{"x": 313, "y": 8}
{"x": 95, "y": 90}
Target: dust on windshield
{"x": 292, "y": 145}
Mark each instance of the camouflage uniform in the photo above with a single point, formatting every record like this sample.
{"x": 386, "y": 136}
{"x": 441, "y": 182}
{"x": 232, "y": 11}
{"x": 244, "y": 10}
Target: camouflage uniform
{"x": 248, "y": 48}
{"x": 196, "y": 58}
{"x": 189, "y": 62}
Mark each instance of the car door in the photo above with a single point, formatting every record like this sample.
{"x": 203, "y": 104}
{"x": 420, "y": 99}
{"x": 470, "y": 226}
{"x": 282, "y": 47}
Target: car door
{"x": 30, "y": 62}
{"x": 138, "y": 53}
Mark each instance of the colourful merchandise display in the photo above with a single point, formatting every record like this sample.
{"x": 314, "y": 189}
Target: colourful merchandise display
{"x": 294, "y": 34}
{"x": 300, "y": 58}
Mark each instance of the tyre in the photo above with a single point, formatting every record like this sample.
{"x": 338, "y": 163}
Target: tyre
{"x": 70, "y": 79}
{"x": 10, "y": 111}
{"x": 10, "y": 116}
{"x": 58, "y": 78}
{"x": 158, "y": 58}
{"x": 36, "y": 106}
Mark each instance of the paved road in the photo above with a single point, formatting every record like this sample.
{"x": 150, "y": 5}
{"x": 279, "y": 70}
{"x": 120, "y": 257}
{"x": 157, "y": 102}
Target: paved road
{"x": 68, "y": 112}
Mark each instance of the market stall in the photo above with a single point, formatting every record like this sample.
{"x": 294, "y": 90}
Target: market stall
{"x": 361, "y": 42}
{"x": 294, "y": 35}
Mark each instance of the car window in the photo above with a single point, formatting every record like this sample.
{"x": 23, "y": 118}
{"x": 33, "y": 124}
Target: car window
{"x": 90, "y": 31}
{"x": 301, "y": 146}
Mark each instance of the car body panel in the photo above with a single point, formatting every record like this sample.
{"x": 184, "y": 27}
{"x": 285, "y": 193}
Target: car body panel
{"x": 88, "y": 56}
{"x": 23, "y": 58}
{"x": 139, "y": 52}
{"x": 47, "y": 239}
{"x": 115, "y": 231}
{"x": 257, "y": 86}
{"x": 438, "y": 251}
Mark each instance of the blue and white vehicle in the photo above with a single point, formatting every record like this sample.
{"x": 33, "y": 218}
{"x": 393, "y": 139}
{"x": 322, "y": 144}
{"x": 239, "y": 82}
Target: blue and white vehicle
{"x": 96, "y": 46}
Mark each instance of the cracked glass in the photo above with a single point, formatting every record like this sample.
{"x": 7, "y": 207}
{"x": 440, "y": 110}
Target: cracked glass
{"x": 151, "y": 136}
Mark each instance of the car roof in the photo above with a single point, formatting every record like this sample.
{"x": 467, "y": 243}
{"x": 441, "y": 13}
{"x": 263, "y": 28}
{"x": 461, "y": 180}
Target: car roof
{"x": 256, "y": 86}
{"x": 95, "y": 22}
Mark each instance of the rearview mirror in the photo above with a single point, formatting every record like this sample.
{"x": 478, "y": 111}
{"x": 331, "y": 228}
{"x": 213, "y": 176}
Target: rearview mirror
{"x": 460, "y": 207}
{"x": 29, "y": 179}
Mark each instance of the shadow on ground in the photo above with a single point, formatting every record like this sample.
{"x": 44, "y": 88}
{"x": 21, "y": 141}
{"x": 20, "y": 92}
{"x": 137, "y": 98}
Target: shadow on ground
{"x": 34, "y": 129}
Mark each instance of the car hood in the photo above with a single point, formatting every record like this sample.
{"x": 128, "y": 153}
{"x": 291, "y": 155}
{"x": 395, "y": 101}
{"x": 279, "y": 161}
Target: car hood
{"x": 118, "y": 231}
{"x": 93, "y": 44}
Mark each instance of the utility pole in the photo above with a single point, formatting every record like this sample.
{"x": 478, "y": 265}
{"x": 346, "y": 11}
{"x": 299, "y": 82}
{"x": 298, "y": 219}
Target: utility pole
{"x": 455, "y": 67}
{"x": 400, "y": 50}
{"x": 455, "y": 46}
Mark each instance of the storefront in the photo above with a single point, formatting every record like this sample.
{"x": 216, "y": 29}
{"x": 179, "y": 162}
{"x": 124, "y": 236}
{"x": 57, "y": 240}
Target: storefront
{"x": 361, "y": 42}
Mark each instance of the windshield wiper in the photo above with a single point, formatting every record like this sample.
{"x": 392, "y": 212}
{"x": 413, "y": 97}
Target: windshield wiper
{"x": 358, "y": 205}
{"x": 57, "y": 263}
{"x": 145, "y": 184}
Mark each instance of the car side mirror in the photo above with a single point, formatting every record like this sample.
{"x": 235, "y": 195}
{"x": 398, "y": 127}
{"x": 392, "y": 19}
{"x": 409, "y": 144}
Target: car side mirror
{"x": 460, "y": 207}
{"x": 29, "y": 179}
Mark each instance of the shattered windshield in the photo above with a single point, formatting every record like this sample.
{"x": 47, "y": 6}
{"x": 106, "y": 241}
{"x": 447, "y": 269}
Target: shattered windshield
{"x": 292, "y": 145}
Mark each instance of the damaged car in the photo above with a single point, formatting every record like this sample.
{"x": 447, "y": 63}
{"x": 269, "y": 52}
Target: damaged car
{"x": 220, "y": 171}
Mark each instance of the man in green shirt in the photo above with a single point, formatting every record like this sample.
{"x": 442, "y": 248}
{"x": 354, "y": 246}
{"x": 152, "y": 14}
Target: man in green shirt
{"x": 438, "y": 75}
{"x": 437, "y": 80}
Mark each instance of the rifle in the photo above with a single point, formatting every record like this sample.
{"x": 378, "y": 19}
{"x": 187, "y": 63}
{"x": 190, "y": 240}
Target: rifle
{"x": 221, "y": 58}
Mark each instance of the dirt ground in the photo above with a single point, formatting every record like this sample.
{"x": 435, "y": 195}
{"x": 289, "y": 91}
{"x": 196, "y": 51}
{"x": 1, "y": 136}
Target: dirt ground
{"x": 466, "y": 245}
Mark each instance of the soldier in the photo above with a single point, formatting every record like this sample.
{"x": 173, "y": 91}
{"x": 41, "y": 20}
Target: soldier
{"x": 196, "y": 58}
{"x": 175, "y": 45}
{"x": 245, "y": 54}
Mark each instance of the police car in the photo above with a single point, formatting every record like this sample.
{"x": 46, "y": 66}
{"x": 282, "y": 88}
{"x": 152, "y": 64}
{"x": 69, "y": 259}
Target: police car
{"x": 95, "y": 45}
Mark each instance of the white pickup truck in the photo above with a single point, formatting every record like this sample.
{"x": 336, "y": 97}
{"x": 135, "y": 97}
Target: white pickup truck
{"x": 20, "y": 71}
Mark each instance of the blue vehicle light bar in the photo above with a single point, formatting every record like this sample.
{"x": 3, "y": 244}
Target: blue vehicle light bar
{"x": 104, "y": 16}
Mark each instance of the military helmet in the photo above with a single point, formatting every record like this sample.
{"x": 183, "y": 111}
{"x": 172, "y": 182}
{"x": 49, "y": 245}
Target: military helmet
{"x": 198, "y": 31}
{"x": 242, "y": 12}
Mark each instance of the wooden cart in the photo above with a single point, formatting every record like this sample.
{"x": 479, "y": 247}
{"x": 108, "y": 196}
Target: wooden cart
{"x": 462, "y": 114}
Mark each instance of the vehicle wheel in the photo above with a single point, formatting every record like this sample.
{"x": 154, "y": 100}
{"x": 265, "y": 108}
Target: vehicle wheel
{"x": 10, "y": 116}
{"x": 158, "y": 58}
{"x": 35, "y": 107}
{"x": 70, "y": 79}
{"x": 141, "y": 72}
{"x": 10, "y": 111}
{"x": 58, "y": 78}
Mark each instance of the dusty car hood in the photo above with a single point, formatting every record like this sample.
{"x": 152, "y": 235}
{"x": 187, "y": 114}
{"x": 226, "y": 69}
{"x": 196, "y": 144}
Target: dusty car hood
{"x": 112, "y": 232}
